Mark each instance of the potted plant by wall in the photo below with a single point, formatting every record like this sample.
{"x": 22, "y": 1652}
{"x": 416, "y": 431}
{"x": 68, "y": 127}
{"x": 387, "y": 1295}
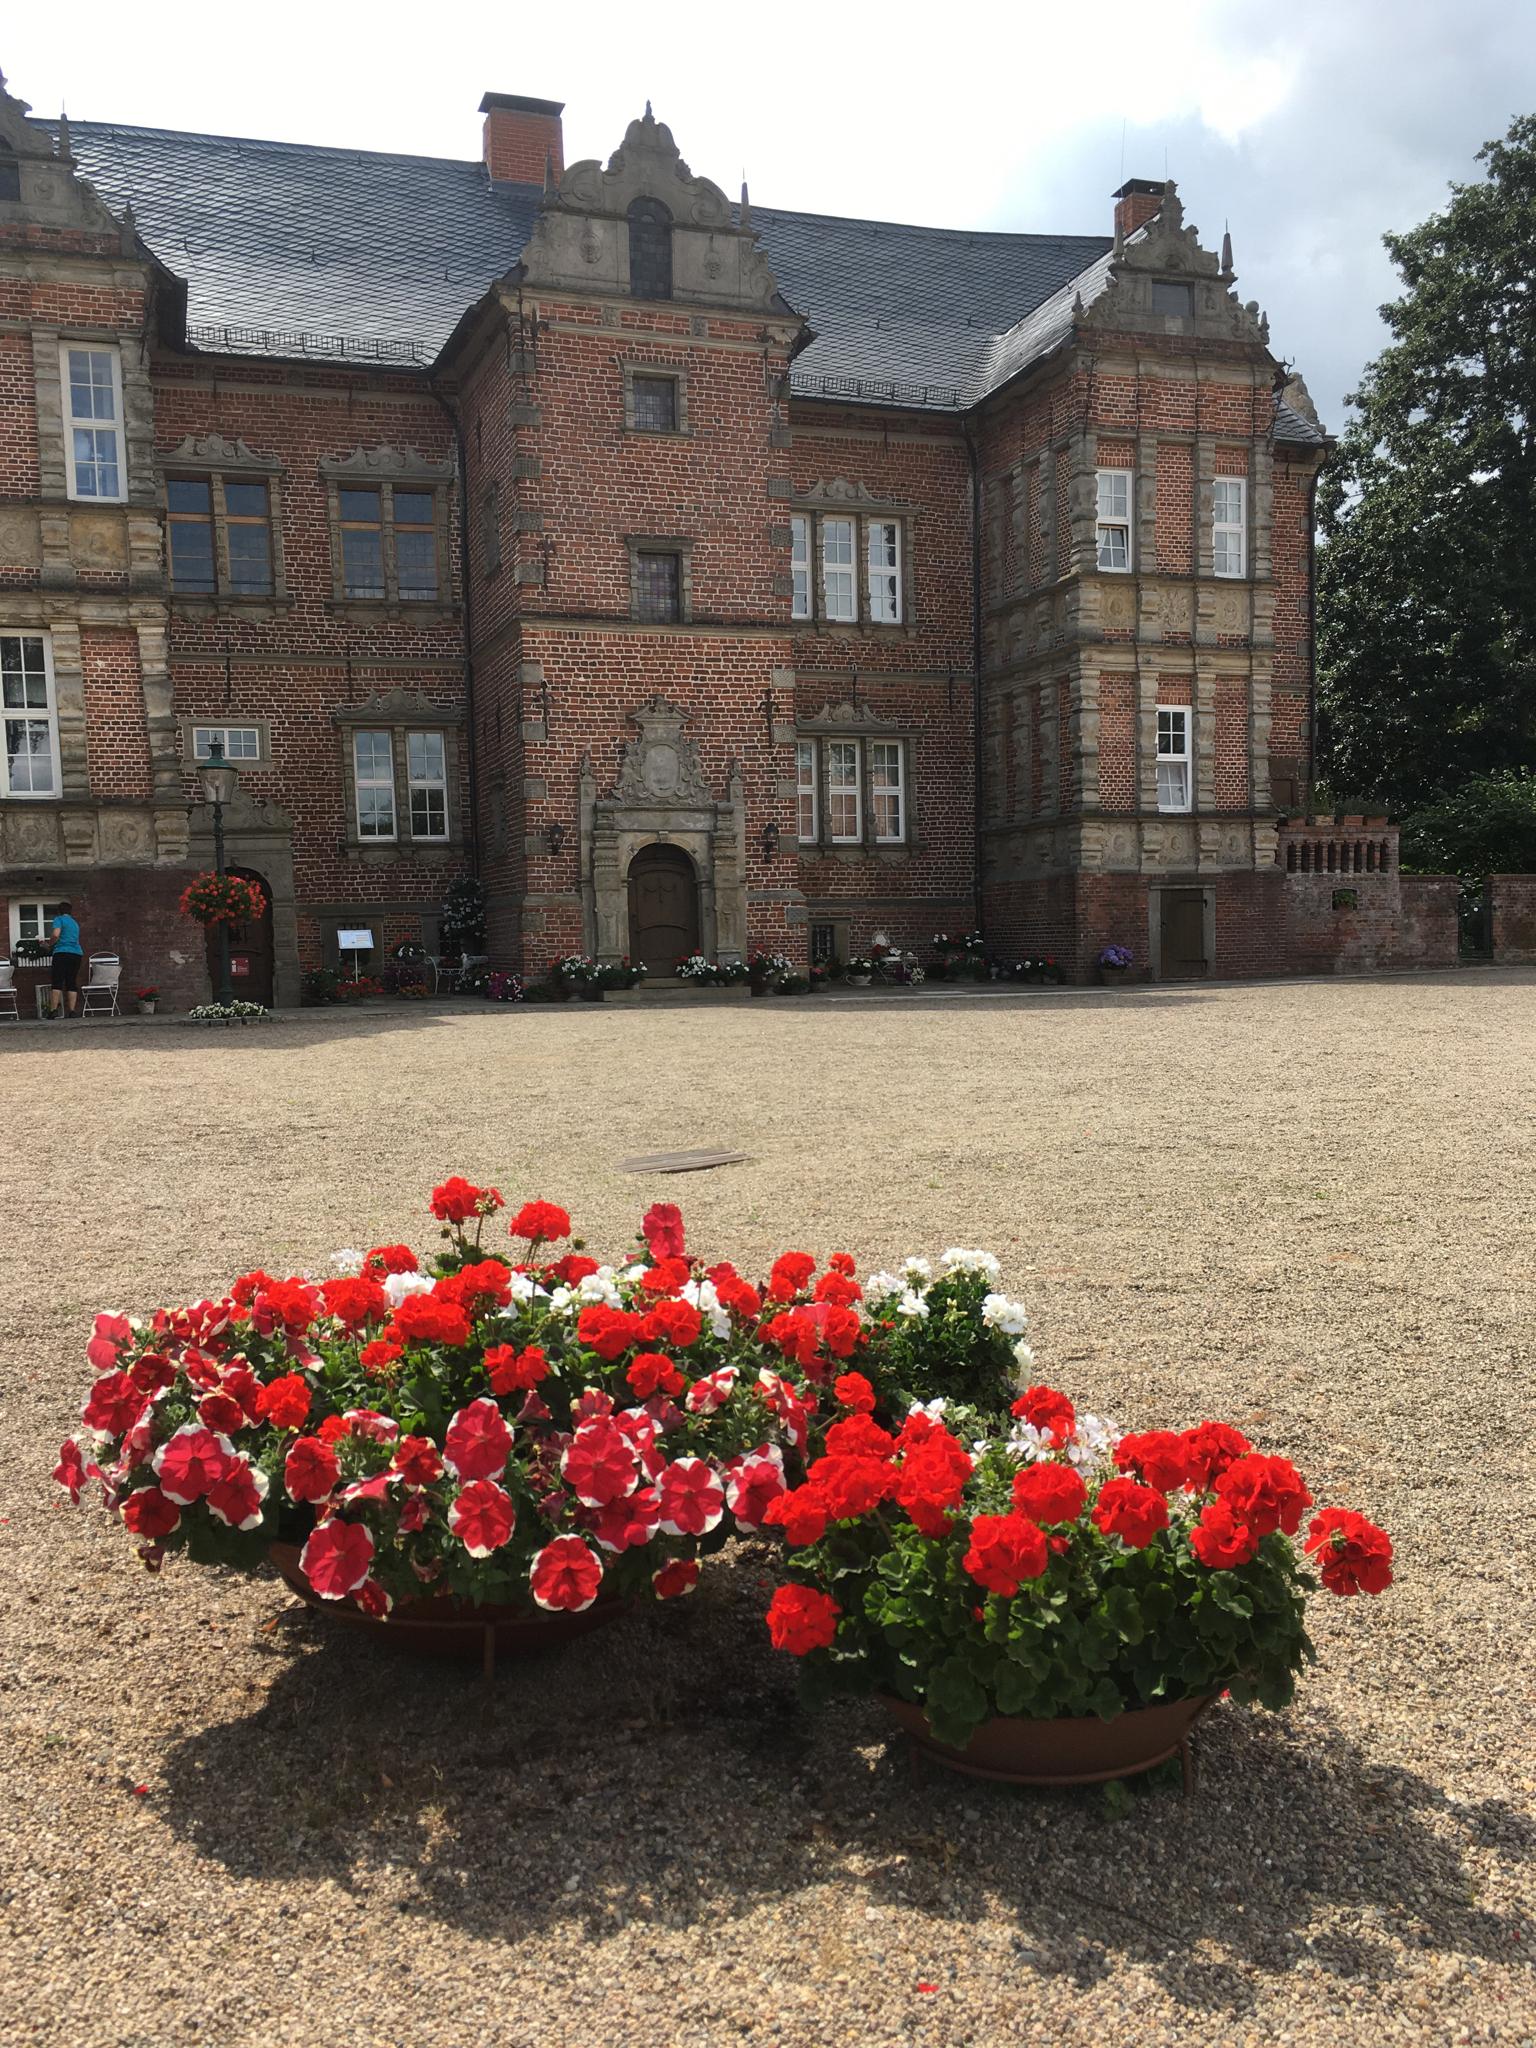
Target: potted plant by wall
{"x": 1043, "y": 1600}
{"x": 144, "y": 1001}
{"x": 767, "y": 972}
{"x": 1115, "y": 964}
{"x": 861, "y": 970}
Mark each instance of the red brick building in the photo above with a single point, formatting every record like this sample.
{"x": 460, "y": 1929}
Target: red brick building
{"x": 700, "y": 575}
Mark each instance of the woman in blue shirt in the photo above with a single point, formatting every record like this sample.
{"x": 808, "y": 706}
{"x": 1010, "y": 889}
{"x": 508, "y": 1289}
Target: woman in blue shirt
{"x": 66, "y": 960}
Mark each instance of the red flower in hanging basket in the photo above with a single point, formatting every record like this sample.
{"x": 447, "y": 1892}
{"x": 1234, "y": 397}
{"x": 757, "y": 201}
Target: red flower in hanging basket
{"x": 223, "y": 899}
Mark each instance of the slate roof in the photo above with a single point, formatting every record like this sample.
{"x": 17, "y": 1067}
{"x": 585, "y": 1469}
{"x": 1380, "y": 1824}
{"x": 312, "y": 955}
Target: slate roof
{"x": 289, "y": 249}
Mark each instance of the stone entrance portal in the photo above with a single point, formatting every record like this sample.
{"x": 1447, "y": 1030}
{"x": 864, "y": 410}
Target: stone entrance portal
{"x": 663, "y": 909}
{"x": 688, "y": 892}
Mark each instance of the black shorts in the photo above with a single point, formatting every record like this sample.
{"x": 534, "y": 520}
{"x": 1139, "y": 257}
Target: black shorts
{"x": 66, "y": 970}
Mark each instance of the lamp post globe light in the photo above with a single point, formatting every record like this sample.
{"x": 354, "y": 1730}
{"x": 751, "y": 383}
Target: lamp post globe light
{"x": 220, "y": 780}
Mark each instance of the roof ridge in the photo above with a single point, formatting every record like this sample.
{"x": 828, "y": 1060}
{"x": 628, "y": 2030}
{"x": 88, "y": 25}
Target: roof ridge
{"x": 267, "y": 142}
{"x": 765, "y": 209}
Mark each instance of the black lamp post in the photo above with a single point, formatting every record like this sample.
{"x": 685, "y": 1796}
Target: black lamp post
{"x": 220, "y": 780}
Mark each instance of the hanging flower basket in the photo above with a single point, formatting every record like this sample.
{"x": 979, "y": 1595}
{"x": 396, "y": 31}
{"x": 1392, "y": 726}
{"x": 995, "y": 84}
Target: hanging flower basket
{"x": 223, "y": 899}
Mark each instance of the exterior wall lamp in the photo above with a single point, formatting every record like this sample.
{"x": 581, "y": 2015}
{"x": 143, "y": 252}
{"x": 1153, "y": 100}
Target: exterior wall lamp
{"x": 770, "y": 840}
{"x": 554, "y": 837}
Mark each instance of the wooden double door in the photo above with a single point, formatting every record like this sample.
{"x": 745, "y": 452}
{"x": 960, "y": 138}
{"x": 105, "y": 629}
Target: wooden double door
{"x": 663, "y": 909}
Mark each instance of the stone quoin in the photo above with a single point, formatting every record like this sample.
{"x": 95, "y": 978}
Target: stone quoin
{"x": 675, "y": 564}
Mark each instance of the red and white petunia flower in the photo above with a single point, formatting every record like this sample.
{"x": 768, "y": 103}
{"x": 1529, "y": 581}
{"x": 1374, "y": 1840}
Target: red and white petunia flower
{"x": 592, "y": 1404}
{"x": 482, "y": 1517}
{"x": 631, "y": 1520}
{"x": 710, "y": 1394}
{"x": 692, "y": 1498}
{"x": 372, "y": 1599}
{"x": 599, "y": 1463}
{"x": 188, "y": 1463}
{"x": 150, "y": 1513}
{"x": 221, "y": 1412}
{"x": 111, "y": 1335}
{"x": 416, "y": 1461}
{"x": 413, "y": 1514}
{"x": 72, "y": 1472}
{"x": 369, "y": 1425}
{"x": 565, "y": 1575}
{"x": 675, "y": 1578}
{"x": 236, "y": 1496}
{"x": 337, "y": 1558}
{"x": 113, "y": 1404}
{"x": 478, "y": 1442}
{"x": 311, "y": 1470}
{"x": 753, "y": 1483}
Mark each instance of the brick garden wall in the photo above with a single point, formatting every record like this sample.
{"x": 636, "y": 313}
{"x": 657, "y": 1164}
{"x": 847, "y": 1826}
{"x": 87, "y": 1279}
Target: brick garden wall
{"x": 1512, "y": 913}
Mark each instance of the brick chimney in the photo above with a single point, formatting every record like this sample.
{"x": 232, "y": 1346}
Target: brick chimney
{"x": 1135, "y": 203}
{"x": 520, "y": 135}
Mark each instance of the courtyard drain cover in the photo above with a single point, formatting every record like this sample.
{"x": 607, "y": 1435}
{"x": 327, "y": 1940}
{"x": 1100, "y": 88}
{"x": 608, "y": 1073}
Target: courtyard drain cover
{"x": 679, "y": 1162}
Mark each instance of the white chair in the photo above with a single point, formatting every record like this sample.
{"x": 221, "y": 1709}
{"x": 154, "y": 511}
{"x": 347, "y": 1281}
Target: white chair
{"x": 98, "y": 997}
{"x": 8, "y": 991}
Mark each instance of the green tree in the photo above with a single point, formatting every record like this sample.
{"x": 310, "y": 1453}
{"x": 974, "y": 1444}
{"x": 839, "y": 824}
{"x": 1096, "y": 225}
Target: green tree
{"x": 1487, "y": 827}
{"x": 1427, "y": 567}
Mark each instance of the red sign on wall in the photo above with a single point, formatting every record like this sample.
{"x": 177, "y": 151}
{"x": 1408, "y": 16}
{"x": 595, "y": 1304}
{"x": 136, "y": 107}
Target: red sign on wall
{"x": 239, "y": 963}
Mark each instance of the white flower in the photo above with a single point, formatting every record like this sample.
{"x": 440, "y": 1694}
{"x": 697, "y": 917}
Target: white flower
{"x": 704, "y": 1298}
{"x": 999, "y": 1313}
{"x": 398, "y": 1285}
{"x": 524, "y": 1287}
{"x": 1030, "y": 1445}
{"x": 1023, "y": 1357}
{"x": 880, "y": 1287}
{"x": 1091, "y": 1442}
{"x": 917, "y": 1269}
{"x": 933, "y": 1409}
{"x": 600, "y": 1286}
{"x": 634, "y": 1273}
{"x": 956, "y": 1260}
{"x": 912, "y": 1304}
{"x": 561, "y": 1300}
{"x": 347, "y": 1262}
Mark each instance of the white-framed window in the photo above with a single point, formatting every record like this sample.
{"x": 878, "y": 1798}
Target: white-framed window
{"x": 1114, "y": 520}
{"x": 887, "y": 792}
{"x": 884, "y": 554}
{"x": 839, "y": 570}
{"x": 29, "y": 717}
{"x": 806, "y": 807}
{"x": 373, "y": 768}
{"x": 92, "y": 377}
{"x": 427, "y": 769}
{"x": 1174, "y": 781}
{"x": 32, "y": 920}
{"x": 845, "y": 806}
{"x": 241, "y": 742}
{"x": 800, "y": 565}
{"x": 1229, "y": 526}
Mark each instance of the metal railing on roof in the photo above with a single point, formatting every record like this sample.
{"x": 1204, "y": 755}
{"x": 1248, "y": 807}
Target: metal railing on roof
{"x": 876, "y": 390}
{"x": 273, "y": 341}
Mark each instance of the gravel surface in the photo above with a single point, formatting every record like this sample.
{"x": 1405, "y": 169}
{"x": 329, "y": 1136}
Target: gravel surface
{"x": 1304, "y": 1207}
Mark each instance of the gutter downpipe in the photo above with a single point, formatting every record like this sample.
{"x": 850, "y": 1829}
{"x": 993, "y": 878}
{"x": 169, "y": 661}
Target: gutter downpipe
{"x": 471, "y": 760}
{"x": 976, "y": 706}
{"x": 1312, "y": 638}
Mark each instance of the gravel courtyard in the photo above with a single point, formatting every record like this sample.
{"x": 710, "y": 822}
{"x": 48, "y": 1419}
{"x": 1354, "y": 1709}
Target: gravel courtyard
{"x": 1307, "y": 1209}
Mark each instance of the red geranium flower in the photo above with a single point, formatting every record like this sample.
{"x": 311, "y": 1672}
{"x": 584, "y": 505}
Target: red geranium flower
{"x": 674, "y": 1579}
{"x": 1004, "y": 1551}
{"x": 856, "y": 1436}
{"x": 1266, "y": 1493}
{"x": 852, "y": 1390}
{"x": 311, "y": 1470}
{"x": 391, "y": 1258}
{"x": 354, "y": 1301}
{"x": 790, "y": 1275}
{"x": 567, "y": 1271}
{"x": 837, "y": 1290}
{"x": 1353, "y": 1555}
{"x": 380, "y": 1355}
{"x": 1045, "y": 1409}
{"x": 609, "y": 1331}
{"x": 1220, "y": 1540}
{"x": 1049, "y": 1493}
{"x": 426, "y": 1319}
{"x": 932, "y": 1478}
{"x": 285, "y": 1402}
{"x": 738, "y": 1295}
{"x": 513, "y": 1371}
{"x": 673, "y": 1322}
{"x": 481, "y": 1517}
{"x": 416, "y": 1461}
{"x": 150, "y": 1513}
{"x": 841, "y": 1330}
{"x": 1131, "y": 1511}
{"x": 477, "y": 1443}
{"x": 802, "y": 1515}
{"x": 842, "y": 1262}
{"x": 473, "y": 1287}
{"x": 459, "y": 1199}
{"x": 1156, "y": 1456}
{"x": 1210, "y": 1449}
{"x": 850, "y": 1487}
{"x": 113, "y": 1404}
{"x": 662, "y": 1228}
{"x": 796, "y": 1334}
{"x": 291, "y": 1304}
{"x": 540, "y": 1222}
{"x": 599, "y": 1463}
{"x": 801, "y": 1620}
{"x": 336, "y": 1559}
{"x": 565, "y": 1575}
{"x": 751, "y": 1488}
{"x": 666, "y": 1276}
{"x": 189, "y": 1462}
{"x": 236, "y": 1496}
{"x": 651, "y": 1372}
{"x": 692, "y": 1498}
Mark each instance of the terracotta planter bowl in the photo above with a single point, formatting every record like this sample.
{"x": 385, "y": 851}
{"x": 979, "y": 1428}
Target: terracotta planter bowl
{"x": 438, "y": 1627}
{"x": 1078, "y": 1750}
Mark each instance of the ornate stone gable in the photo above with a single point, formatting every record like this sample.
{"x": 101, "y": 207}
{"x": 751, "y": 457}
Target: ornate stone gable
{"x": 581, "y": 240}
{"x": 661, "y": 765}
{"x": 1165, "y": 251}
{"x": 52, "y": 193}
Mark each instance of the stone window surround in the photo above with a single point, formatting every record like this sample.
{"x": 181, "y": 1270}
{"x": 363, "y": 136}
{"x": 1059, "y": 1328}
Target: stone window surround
{"x": 212, "y": 459}
{"x": 634, "y": 367}
{"x": 842, "y": 500}
{"x": 849, "y": 722}
{"x": 399, "y": 712}
{"x": 638, "y": 544}
{"x": 386, "y": 470}
{"x": 262, "y": 727}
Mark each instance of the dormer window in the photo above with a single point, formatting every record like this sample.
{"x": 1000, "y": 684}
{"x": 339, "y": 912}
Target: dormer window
{"x": 650, "y": 250}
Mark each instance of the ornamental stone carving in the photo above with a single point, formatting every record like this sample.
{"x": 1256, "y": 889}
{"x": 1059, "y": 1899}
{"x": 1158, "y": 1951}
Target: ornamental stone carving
{"x": 373, "y": 465}
{"x": 661, "y": 765}
{"x": 214, "y": 451}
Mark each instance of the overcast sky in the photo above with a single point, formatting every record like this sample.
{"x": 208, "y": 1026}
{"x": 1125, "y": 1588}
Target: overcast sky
{"x": 1311, "y": 129}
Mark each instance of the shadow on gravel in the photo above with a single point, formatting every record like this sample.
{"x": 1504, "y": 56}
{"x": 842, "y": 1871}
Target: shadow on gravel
{"x": 662, "y": 1772}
